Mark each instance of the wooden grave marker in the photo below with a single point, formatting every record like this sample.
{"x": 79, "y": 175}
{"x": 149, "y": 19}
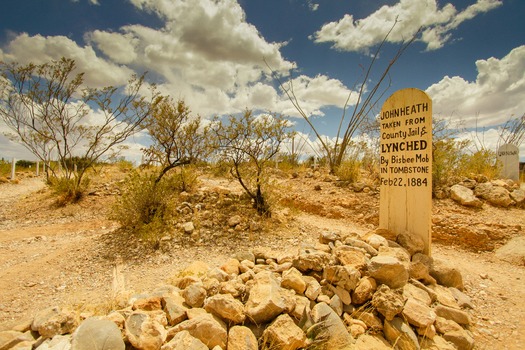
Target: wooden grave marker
{"x": 509, "y": 157}
{"x": 406, "y": 164}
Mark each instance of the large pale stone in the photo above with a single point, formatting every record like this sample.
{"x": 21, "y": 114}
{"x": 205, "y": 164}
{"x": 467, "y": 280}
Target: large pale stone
{"x": 226, "y": 307}
{"x": 97, "y": 334}
{"x": 387, "y": 302}
{"x": 446, "y": 275}
{"x": 376, "y": 240}
{"x": 372, "y": 342}
{"x": 283, "y": 334}
{"x": 219, "y": 274}
{"x": 388, "y": 270}
{"x": 364, "y": 291}
{"x": 313, "y": 288}
{"x": 462, "y": 339}
{"x": 399, "y": 333}
{"x": 444, "y": 326}
{"x": 208, "y": 329}
{"x": 412, "y": 243}
{"x": 418, "y": 313}
{"x": 184, "y": 341}
{"x": 495, "y": 195}
{"x": 371, "y": 321}
{"x": 302, "y": 305}
{"x": 518, "y": 196}
{"x": 436, "y": 343}
{"x": 513, "y": 251}
{"x": 330, "y": 327}
{"x": 54, "y": 321}
{"x": 411, "y": 291}
{"x": 465, "y": 196}
{"x": 456, "y": 315}
{"x": 293, "y": 279}
{"x": 344, "y": 276}
{"x": 149, "y": 303}
{"x": 353, "y": 242}
{"x": 10, "y": 339}
{"x": 242, "y": 338}
{"x": 266, "y": 299}
{"x": 194, "y": 295}
{"x": 175, "y": 311}
{"x": 144, "y": 331}
{"x": 231, "y": 267}
{"x": 351, "y": 256}
{"x": 310, "y": 259}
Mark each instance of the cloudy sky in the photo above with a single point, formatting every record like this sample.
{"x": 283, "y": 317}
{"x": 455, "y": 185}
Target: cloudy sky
{"x": 469, "y": 56}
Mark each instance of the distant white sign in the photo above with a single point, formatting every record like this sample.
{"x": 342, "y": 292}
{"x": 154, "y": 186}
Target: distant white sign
{"x": 509, "y": 157}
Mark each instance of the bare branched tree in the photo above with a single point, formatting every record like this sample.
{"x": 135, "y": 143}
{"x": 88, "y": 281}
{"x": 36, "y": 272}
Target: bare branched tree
{"x": 51, "y": 112}
{"x": 366, "y": 103}
{"x": 513, "y": 131}
{"x": 249, "y": 143}
{"x": 177, "y": 137}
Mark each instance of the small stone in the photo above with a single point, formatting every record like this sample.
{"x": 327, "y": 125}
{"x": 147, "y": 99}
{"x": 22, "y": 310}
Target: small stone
{"x": 388, "y": 270}
{"x": 388, "y": 302}
{"x": 97, "y": 334}
{"x": 283, "y": 334}
{"x": 241, "y": 338}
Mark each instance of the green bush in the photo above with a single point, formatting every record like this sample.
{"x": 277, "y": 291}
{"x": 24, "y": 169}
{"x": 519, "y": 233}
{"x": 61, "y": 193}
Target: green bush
{"x": 68, "y": 190}
{"x": 452, "y": 161}
{"x": 5, "y": 168}
{"x": 146, "y": 208}
{"x": 482, "y": 162}
{"x": 349, "y": 170}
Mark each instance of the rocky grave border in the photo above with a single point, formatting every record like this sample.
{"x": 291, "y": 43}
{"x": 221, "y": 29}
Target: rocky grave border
{"x": 346, "y": 292}
{"x": 473, "y": 193}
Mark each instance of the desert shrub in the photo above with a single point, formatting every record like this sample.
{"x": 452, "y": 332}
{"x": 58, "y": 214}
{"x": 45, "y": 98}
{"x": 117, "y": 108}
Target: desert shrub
{"x": 5, "y": 168}
{"x": 453, "y": 159}
{"x": 481, "y": 162}
{"x": 447, "y": 156}
{"x": 146, "y": 207}
{"x": 68, "y": 190}
{"x": 349, "y": 170}
{"x": 124, "y": 165}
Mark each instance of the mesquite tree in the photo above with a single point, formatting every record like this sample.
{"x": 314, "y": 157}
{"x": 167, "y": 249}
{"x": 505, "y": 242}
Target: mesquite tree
{"x": 54, "y": 115}
{"x": 249, "y": 143}
{"x": 178, "y": 138}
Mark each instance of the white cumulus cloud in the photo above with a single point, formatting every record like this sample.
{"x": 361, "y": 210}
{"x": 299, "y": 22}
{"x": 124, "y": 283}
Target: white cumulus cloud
{"x": 437, "y": 23}
{"x": 495, "y": 96}
{"x": 40, "y": 49}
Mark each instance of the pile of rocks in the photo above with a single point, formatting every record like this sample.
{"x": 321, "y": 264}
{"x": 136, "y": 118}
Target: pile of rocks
{"x": 346, "y": 292}
{"x": 499, "y": 193}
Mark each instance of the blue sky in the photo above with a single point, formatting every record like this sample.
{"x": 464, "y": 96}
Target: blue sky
{"x": 470, "y": 57}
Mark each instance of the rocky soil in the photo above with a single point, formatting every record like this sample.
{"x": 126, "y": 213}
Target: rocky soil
{"x": 67, "y": 256}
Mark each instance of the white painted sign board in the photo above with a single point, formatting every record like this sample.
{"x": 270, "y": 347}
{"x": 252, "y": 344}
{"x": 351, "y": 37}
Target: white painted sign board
{"x": 406, "y": 164}
{"x": 509, "y": 157}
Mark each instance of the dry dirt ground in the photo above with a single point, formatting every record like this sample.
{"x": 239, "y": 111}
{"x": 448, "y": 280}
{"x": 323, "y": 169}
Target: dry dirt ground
{"x": 66, "y": 256}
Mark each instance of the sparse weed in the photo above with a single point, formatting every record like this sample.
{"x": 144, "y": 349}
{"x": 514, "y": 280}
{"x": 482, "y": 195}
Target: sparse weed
{"x": 147, "y": 208}
{"x": 68, "y": 190}
{"x": 349, "y": 170}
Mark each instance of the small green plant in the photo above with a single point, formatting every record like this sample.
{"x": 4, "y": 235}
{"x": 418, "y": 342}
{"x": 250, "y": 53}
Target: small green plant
{"x": 5, "y": 168}
{"x": 146, "y": 207}
{"x": 482, "y": 162}
{"x": 68, "y": 190}
{"x": 349, "y": 170}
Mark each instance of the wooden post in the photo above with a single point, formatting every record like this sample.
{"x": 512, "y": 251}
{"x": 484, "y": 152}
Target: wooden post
{"x": 37, "y": 168}
{"x": 13, "y": 167}
{"x": 406, "y": 164}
